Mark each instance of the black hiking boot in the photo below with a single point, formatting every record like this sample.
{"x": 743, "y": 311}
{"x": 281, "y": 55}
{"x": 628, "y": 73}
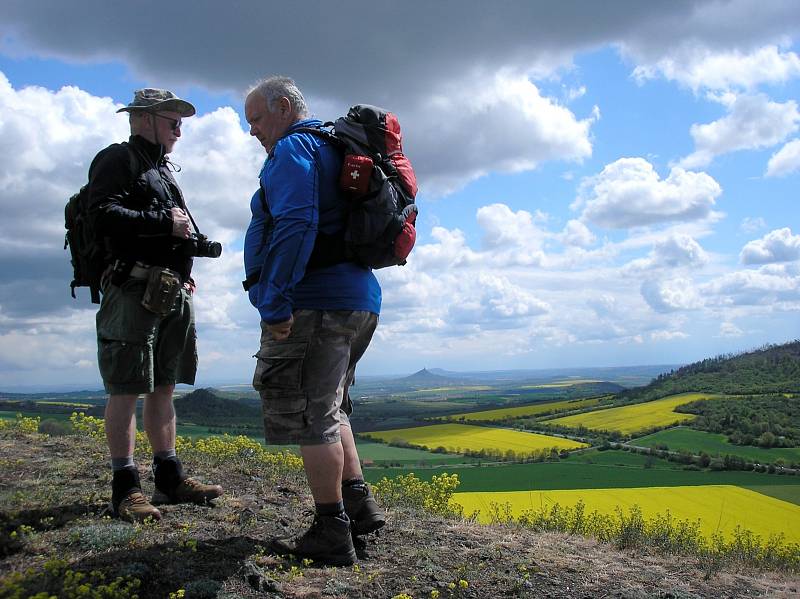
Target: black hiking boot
{"x": 365, "y": 514}
{"x": 174, "y": 486}
{"x": 327, "y": 541}
{"x": 127, "y": 500}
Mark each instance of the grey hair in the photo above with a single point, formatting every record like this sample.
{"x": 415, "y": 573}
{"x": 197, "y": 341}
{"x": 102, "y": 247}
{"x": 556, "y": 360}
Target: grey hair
{"x": 135, "y": 120}
{"x": 276, "y": 87}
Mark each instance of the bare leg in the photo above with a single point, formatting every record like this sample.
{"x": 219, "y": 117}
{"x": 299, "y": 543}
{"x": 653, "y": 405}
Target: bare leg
{"x": 159, "y": 418}
{"x": 323, "y": 465}
{"x": 120, "y": 425}
{"x": 352, "y": 463}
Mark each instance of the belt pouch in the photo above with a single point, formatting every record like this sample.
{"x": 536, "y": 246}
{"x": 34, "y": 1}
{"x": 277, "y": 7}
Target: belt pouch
{"x": 163, "y": 287}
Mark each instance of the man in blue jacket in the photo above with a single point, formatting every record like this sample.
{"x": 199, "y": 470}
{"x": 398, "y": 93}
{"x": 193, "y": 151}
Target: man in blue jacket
{"x": 318, "y": 314}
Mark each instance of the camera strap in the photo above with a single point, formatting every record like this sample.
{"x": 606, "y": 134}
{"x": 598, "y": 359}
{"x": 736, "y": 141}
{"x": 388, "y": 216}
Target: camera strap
{"x": 167, "y": 188}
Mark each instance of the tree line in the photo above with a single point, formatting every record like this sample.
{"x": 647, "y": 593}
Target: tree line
{"x": 764, "y": 421}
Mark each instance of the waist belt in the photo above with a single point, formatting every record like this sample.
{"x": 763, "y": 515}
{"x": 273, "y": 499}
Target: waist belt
{"x": 251, "y": 280}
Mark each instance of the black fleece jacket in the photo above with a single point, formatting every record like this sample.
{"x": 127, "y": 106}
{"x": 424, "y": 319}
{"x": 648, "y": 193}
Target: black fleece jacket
{"x": 131, "y": 192}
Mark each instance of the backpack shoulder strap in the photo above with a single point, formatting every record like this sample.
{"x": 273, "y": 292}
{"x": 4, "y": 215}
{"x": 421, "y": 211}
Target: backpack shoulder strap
{"x": 134, "y": 159}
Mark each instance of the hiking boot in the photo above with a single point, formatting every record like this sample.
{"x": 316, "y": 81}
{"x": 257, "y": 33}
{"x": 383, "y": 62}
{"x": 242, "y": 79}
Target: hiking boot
{"x": 365, "y": 514}
{"x": 136, "y": 508}
{"x": 327, "y": 541}
{"x": 174, "y": 486}
{"x": 127, "y": 500}
{"x": 188, "y": 490}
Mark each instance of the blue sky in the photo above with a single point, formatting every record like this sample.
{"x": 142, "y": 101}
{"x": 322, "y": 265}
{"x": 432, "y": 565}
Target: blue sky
{"x": 602, "y": 184}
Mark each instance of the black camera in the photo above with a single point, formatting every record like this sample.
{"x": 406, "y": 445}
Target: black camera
{"x": 199, "y": 245}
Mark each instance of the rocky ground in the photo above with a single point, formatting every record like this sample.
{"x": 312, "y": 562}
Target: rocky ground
{"x": 53, "y": 497}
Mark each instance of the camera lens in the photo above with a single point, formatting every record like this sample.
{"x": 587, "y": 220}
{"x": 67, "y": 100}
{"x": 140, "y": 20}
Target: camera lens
{"x": 211, "y": 249}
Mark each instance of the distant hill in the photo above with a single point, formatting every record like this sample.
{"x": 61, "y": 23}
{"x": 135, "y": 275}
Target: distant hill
{"x": 204, "y": 406}
{"x": 769, "y": 369}
{"x": 426, "y": 377}
{"x": 626, "y": 376}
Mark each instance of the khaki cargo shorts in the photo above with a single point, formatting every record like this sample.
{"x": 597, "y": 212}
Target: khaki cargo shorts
{"x": 304, "y": 380}
{"x": 138, "y": 350}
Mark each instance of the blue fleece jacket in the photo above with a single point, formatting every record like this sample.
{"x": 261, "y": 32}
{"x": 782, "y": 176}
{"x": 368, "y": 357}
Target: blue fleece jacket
{"x": 300, "y": 185}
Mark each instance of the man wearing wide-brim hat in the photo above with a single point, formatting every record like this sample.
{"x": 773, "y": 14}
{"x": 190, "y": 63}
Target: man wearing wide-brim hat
{"x": 140, "y": 218}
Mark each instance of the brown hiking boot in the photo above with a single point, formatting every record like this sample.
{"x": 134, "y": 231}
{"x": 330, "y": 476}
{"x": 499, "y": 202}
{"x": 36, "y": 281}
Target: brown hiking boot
{"x": 365, "y": 514}
{"x": 127, "y": 500}
{"x": 135, "y": 508}
{"x": 188, "y": 490}
{"x": 173, "y": 486}
{"x": 327, "y": 541}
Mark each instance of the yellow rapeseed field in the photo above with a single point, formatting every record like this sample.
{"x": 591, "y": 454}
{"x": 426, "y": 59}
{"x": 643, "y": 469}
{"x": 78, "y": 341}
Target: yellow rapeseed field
{"x": 635, "y": 418}
{"x": 458, "y": 438}
{"x": 557, "y": 384}
{"x": 531, "y": 410}
{"x": 718, "y": 507}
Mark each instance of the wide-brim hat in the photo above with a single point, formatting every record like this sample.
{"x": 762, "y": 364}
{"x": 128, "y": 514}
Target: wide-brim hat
{"x": 150, "y": 99}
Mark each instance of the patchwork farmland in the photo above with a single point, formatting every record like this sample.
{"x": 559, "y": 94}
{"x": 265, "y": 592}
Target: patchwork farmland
{"x": 529, "y": 410}
{"x": 461, "y": 438}
{"x": 637, "y": 417}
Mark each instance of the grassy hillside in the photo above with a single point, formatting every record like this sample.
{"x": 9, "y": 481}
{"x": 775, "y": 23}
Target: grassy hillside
{"x": 770, "y": 369}
{"x": 55, "y": 540}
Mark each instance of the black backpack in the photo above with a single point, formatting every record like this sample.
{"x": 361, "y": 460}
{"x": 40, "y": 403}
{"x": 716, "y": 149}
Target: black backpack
{"x": 89, "y": 258}
{"x": 380, "y": 186}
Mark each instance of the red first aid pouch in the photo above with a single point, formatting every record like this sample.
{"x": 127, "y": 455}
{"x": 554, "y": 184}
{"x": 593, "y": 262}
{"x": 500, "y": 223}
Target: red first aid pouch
{"x": 356, "y": 171}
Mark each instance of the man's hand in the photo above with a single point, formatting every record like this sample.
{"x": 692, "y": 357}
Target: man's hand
{"x": 180, "y": 223}
{"x": 281, "y": 330}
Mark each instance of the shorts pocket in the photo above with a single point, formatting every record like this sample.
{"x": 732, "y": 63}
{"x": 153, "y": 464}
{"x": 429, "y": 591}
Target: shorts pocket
{"x": 123, "y": 362}
{"x": 280, "y": 366}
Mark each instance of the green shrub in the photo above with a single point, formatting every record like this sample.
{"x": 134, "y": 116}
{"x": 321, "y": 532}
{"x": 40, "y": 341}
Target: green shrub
{"x": 56, "y": 579}
{"x": 409, "y": 491}
{"x": 100, "y": 537}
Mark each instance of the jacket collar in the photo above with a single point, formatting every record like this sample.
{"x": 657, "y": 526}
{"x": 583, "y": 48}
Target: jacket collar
{"x": 303, "y": 123}
{"x": 155, "y": 152}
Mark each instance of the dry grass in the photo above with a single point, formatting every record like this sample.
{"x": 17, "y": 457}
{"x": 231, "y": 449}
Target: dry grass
{"x": 53, "y": 493}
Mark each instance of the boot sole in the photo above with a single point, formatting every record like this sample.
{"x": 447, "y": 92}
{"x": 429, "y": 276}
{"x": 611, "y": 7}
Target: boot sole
{"x": 364, "y": 527}
{"x": 337, "y": 559}
{"x": 133, "y": 519}
{"x": 160, "y": 498}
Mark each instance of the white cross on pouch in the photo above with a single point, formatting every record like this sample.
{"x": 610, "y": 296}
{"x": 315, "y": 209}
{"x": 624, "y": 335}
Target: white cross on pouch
{"x": 354, "y": 174}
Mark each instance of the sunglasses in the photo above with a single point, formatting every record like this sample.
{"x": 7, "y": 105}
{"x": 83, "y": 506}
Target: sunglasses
{"x": 174, "y": 124}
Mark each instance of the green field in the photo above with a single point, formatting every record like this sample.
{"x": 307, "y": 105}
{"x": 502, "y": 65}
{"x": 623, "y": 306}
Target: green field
{"x": 380, "y": 453}
{"x": 570, "y": 474}
{"x": 696, "y": 441}
{"x": 719, "y": 508}
{"x": 637, "y": 417}
{"x": 530, "y": 410}
{"x": 459, "y": 438}
{"x": 5, "y": 415}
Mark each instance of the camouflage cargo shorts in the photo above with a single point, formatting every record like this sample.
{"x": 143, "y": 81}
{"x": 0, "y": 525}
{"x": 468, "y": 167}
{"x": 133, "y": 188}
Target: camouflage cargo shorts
{"x": 304, "y": 380}
{"x": 138, "y": 350}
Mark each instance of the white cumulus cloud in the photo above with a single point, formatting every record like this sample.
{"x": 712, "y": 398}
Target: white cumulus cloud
{"x": 671, "y": 295}
{"x": 785, "y": 161}
{"x": 630, "y": 193}
{"x": 502, "y": 123}
{"x": 699, "y": 67}
{"x": 675, "y": 251}
{"x": 577, "y": 234}
{"x": 753, "y": 288}
{"x": 776, "y": 246}
{"x": 753, "y": 122}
